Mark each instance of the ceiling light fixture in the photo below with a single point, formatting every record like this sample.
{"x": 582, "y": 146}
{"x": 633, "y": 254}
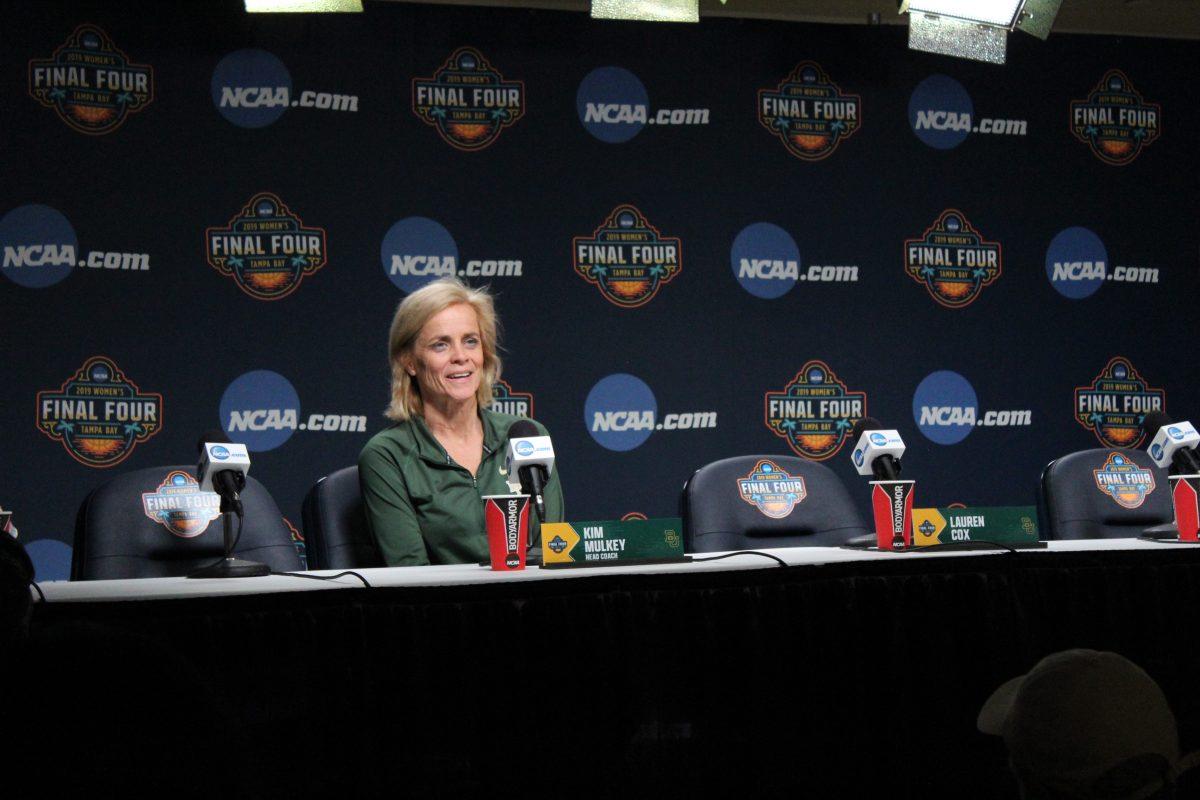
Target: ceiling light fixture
{"x": 975, "y": 29}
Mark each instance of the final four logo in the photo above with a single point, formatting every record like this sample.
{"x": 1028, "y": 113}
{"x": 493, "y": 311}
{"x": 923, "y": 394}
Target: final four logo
{"x": 815, "y": 412}
{"x": 1115, "y": 404}
{"x": 90, "y": 84}
{"x": 1114, "y": 120}
{"x": 266, "y": 248}
{"x": 952, "y": 260}
{"x": 507, "y": 401}
{"x": 1124, "y": 481}
{"x": 772, "y": 490}
{"x": 809, "y": 113}
{"x": 627, "y": 258}
{"x": 467, "y": 101}
{"x": 179, "y": 505}
{"x": 98, "y": 414}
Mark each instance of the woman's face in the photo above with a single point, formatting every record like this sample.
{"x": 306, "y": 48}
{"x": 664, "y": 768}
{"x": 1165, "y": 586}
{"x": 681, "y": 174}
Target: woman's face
{"x": 447, "y": 356}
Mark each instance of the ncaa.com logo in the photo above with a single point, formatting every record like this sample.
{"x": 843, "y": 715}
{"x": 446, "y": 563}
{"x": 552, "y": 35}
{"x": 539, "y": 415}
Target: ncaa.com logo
{"x": 766, "y": 262}
{"x": 1077, "y": 265}
{"x": 613, "y": 106}
{"x": 942, "y": 115}
{"x": 252, "y": 88}
{"x": 40, "y": 249}
{"x": 261, "y": 410}
{"x": 621, "y": 412}
{"x": 417, "y": 250}
{"x": 946, "y": 409}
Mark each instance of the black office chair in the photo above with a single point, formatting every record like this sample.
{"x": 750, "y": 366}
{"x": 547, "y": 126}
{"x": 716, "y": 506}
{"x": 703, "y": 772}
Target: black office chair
{"x": 752, "y": 502}
{"x": 335, "y": 527}
{"x": 1103, "y": 494}
{"x": 120, "y": 532}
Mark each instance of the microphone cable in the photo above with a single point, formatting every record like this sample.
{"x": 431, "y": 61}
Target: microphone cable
{"x": 771, "y": 556}
{"x": 365, "y": 582}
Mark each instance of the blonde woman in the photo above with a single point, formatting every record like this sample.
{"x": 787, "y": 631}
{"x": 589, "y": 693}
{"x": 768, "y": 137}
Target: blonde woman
{"x": 423, "y": 477}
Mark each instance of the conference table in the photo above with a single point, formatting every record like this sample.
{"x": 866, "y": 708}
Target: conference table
{"x": 824, "y": 671}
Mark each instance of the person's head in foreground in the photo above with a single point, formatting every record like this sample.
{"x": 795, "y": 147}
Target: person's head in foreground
{"x": 1086, "y": 724}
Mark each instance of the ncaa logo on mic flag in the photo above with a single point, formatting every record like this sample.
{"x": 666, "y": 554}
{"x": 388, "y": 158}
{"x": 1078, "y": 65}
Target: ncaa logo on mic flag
{"x": 771, "y": 490}
{"x": 266, "y": 249}
{"x": 1114, "y": 121}
{"x": 179, "y": 506}
{"x": 98, "y": 414}
{"x": 1116, "y": 402}
{"x": 467, "y": 101}
{"x": 1124, "y": 481}
{"x": 814, "y": 412}
{"x": 809, "y": 113}
{"x": 92, "y": 85}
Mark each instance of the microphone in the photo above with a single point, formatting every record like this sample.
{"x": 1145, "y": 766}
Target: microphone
{"x": 223, "y": 467}
{"x": 530, "y": 457}
{"x": 1174, "y": 443}
{"x": 878, "y": 451}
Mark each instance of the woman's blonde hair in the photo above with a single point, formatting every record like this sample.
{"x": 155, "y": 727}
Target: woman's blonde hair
{"x": 412, "y": 314}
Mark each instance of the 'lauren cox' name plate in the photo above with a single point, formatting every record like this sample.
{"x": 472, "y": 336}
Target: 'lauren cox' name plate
{"x": 1013, "y": 525}
{"x": 611, "y": 542}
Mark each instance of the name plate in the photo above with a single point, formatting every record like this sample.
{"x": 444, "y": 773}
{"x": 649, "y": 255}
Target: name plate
{"x": 612, "y": 541}
{"x": 1015, "y": 525}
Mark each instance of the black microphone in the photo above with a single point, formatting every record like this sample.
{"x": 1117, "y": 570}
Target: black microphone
{"x": 885, "y": 467}
{"x": 1171, "y": 443}
{"x": 222, "y": 469}
{"x": 531, "y": 456}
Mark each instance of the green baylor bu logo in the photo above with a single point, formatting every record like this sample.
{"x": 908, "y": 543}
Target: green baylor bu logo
{"x": 627, "y": 258}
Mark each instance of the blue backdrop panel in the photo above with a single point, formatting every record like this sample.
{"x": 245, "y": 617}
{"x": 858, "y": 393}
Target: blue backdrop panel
{"x": 705, "y": 240}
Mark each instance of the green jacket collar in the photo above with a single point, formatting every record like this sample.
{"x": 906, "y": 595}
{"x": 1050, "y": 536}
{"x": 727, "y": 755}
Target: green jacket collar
{"x": 430, "y": 450}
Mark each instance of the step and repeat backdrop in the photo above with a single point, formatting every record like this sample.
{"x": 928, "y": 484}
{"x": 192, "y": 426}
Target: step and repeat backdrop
{"x": 705, "y": 240}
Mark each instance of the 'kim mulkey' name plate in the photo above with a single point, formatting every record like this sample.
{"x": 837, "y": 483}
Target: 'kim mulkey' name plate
{"x": 1010, "y": 525}
{"x": 603, "y": 542}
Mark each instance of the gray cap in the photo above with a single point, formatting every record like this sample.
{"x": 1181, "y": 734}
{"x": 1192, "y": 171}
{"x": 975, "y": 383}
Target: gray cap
{"x": 1086, "y": 723}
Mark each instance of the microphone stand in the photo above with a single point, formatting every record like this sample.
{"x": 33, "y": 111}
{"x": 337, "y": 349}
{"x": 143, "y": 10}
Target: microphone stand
{"x": 229, "y": 566}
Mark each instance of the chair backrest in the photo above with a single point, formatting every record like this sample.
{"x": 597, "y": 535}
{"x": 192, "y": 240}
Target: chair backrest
{"x": 155, "y": 523}
{"x": 335, "y": 526}
{"x": 1103, "y": 494}
{"x": 751, "y": 502}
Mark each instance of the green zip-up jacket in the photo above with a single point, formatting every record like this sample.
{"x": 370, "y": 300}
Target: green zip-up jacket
{"x": 422, "y": 507}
